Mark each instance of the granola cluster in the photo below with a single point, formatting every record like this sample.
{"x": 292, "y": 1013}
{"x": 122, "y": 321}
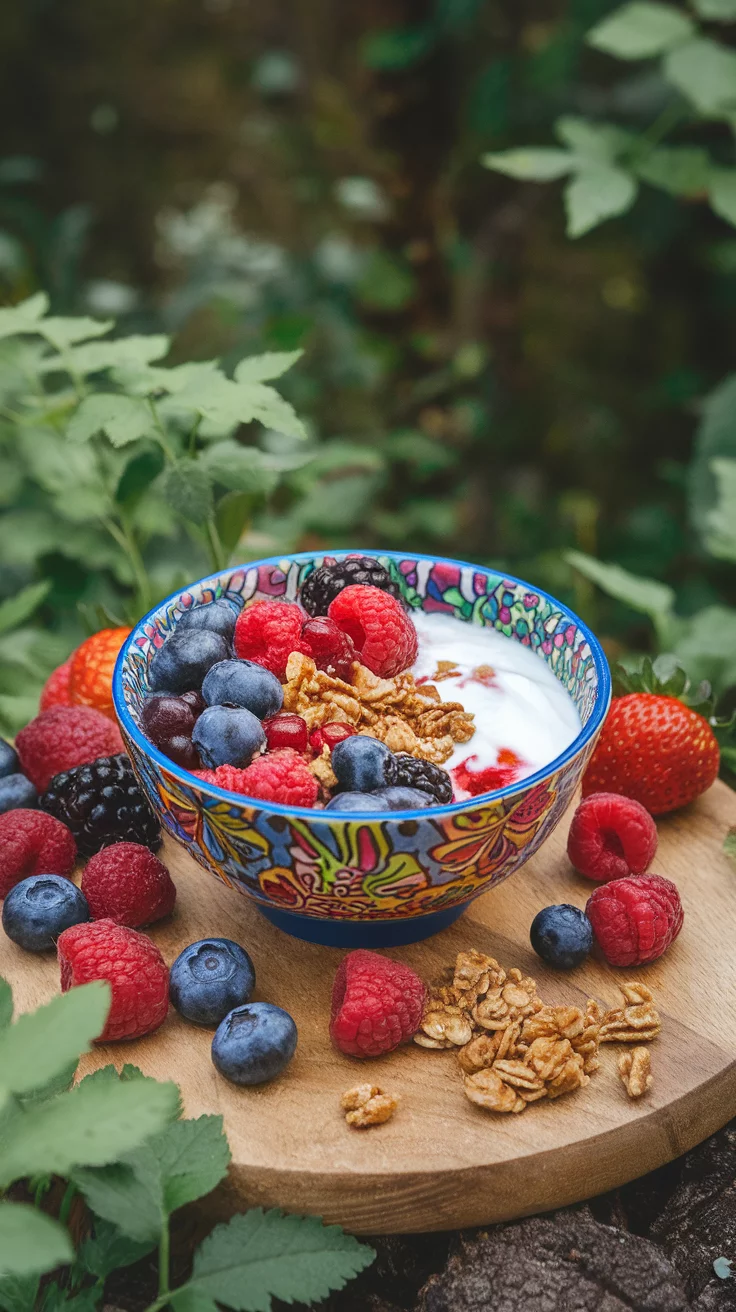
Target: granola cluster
{"x": 635, "y": 1071}
{"x": 406, "y": 716}
{"x": 366, "y": 1105}
{"x": 514, "y": 1049}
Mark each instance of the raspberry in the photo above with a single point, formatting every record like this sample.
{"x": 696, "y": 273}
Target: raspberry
{"x": 286, "y": 731}
{"x": 131, "y": 964}
{"x": 635, "y": 920}
{"x": 229, "y": 777}
{"x": 92, "y": 664}
{"x": 283, "y": 777}
{"x": 382, "y": 633}
{"x": 32, "y": 843}
{"x": 376, "y": 1004}
{"x": 611, "y": 837}
{"x": 267, "y": 632}
{"x": 63, "y": 738}
{"x": 329, "y": 735}
{"x": 324, "y": 583}
{"x": 330, "y": 648}
{"x": 56, "y": 691}
{"x": 128, "y": 884}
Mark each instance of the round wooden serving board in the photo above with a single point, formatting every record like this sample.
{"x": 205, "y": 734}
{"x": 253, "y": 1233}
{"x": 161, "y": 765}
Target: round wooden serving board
{"x": 442, "y": 1163}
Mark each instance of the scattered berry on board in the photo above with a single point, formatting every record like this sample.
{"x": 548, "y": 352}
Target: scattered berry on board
{"x": 636, "y": 919}
{"x": 91, "y": 670}
{"x": 38, "y": 909}
{"x": 9, "y": 763}
{"x": 16, "y": 791}
{"x": 56, "y": 690}
{"x": 210, "y": 978}
{"x": 102, "y": 803}
{"x": 254, "y": 1043}
{"x": 130, "y": 963}
{"x": 381, "y": 631}
{"x": 611, "y": 836}
{"x": 126, "y": 883}
{"x": 562, "y": 936}
{"x": 377, "y": 1004}
{"x": 32, "y": 843}
{"x": 323, "y": 584}
{"x": 63, "y": 738}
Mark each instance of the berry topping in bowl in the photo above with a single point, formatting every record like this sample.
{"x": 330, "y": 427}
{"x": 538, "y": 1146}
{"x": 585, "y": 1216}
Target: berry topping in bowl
{"x": 228, "y": 735}
{"x": 323, "y": 584}
{"x": 217, "y": 616}
{"x": 286, "y": 730}
{"x": 331, "y": 649}
{"x": 363, "y": 764}
{"x": 380, "y": 629}
{"x": 267, "y": 632}
{"x": 243, "y": 683}
{"x": 181, "y": 664}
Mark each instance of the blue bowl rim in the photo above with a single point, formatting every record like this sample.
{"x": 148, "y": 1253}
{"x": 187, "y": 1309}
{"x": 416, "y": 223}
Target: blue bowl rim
{"x": 600, "y": 709}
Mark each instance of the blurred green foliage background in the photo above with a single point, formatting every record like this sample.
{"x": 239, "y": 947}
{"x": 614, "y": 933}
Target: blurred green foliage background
{"x": 306, "y": 174}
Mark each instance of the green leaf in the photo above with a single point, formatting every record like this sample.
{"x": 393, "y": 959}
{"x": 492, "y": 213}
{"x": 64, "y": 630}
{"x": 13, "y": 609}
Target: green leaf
{"x": 679, "y": 170}
{"x": 121, "y": 352}
{"x": 224, "y": 404}
{"x": 91, "y": 1125}
{"x": 640, "y": 30}
{"x": 25, "y": 317}
{"x": 6, "y": 1003}
{"x": 596, "y": 193}
{"x": 536, "y": 163}
{"x": 117, "y": 1194}
{"x": 719, "y": 11}
{"x": 397, "y": 48}
{"x": 16, "y": 609}
{"x": 30, "y": 1241}
{"x": 233, "y": 514}
{"x": 716, "y": 436}
{"x": 187, "y": 488}
{"x": 62, "y": 333}
{"x": 122, "y": 418}
{"x": 240, "y": 468}
{"x": 265, "y": 1255}
{"x": 57, "y": 1298}
{"x": 108, "y": 1249}
{"x": 42, "y": 1043}
{"x": 647, "y": 595}
{"x": 705, "y": 72}
{"x": 19, "y": 1293}
{"x": 722, "y": 194}
{"x": 599, "y": 141}
{"x": 721, "y": 521}
{"x": 57, "y": 1084}
{"x": 143, "y": 467}
{"x": 262, "y": 368}
{"x": 705, "y": 643}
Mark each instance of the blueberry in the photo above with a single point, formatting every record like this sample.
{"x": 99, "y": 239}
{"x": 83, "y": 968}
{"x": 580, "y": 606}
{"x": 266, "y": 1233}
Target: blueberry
{"x": 243, "y": 683}
{"x": 357, "y": 802}
{"x": 254, "y": 1043}
{"x": 8, "y": 759}
{"x": 209, "y": 978}
{"x": 227, "y": 735}
{"x": 562, "y": 936}
{"x": 401, "y": 798}
{"x": 215, "y": 617}
{"x": 37, "y": 909}
{"x": 363, "y": 764}
{"x": 181, "y": 664}
{"x": 17, "y": 791}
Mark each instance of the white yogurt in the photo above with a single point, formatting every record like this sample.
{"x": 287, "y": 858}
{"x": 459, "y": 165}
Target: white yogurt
{"x": 519, "y": 705}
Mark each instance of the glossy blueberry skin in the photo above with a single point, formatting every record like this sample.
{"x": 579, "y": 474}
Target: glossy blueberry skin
{"x": 227, "y": 735}
{"x": 357, "y": 802}
{"x": 243, "y": 683}
{"x": 8, "y": 760}
{"x": 401, "y": 798}
{"x": 215, "y": 617}
{"x": 254, "y": 1043}
{"x": 363, "y": 764}
{"x": 17, "y": 791}
{"x": 181, "y": 664}
{"x": 210, "y": 978}
{"x": 39, "y": 908}
{"x": 562, "y": 936}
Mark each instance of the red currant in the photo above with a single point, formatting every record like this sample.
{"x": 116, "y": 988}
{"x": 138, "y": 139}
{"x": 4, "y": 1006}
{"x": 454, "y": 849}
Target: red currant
{"x": 331, "y": 649}
{"x": 329, "y": 735}
{"x": 286, "y": 730}
{"x": 195, "y": 700}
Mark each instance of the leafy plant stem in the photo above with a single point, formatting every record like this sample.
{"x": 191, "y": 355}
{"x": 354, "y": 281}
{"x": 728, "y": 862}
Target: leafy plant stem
{"x": 665, "y": 121}
{"x": 66, "y": 1203}
{"x": 164, "y": 1245}
{"x": 163, "y": 436}
{"x": 193, "y": 436}
{"x": 120, "y": 530}
{"x": 218, "y": 554}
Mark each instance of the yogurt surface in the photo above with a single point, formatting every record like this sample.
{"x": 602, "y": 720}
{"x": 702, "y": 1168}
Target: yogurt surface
{"x": 524, "y": 718}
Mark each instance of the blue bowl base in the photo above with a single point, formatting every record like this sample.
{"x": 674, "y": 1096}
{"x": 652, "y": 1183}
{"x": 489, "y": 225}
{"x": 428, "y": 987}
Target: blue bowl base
{"x": 361, "y": 933}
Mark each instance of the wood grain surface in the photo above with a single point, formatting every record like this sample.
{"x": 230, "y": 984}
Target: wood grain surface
{"x": 442, "y": 1163}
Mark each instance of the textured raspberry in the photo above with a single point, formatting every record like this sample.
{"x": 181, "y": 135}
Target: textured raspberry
{"x": 382, "y": 632}
{"x": 267, "y": 632}
{"x": 92, "y": 664}
{"x": 56, "y": 691}
{"x": 128, "y": 884}
{"x": 62, "y": 738}
{"x": 131, "y": 964}
{"x": 376, "y": 1004}
{"x": 635, "y": 920}
{"x": 282, "y": 776}
{"x": 611, "y": 837}
{"x": 225, "y": 776}
{"x": 33, "y": 843}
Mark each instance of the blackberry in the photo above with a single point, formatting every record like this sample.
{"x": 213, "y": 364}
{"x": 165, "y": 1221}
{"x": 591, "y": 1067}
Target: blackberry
{"x": 430, "y": 778}
{"x": 323, "y": 584}
{"x": 102, "y": 804}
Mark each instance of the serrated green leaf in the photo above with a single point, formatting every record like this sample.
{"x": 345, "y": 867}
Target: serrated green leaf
{"x": 599, "y": 141}
{"x": 116, "y": 1193}
{"x": 265, "y": 1255}
{"x": 121, "y": 352}
{"x": 647, "y": 595}
{"x": 122, "y": 418}
{"x": 240, "y": 468}
{"x": 225, "y": 403}
{"x": 679, "y": 170}
{"x": 187, "y": 488}
{"x": 597, "y": 192}
{"x": 108, "y": 1249}
{"x": 57, "y": 1084}
{"x": 30, "y": 1241}
{"x": 262, "y": 368}
{"x": 6, "y": 1003}
{"x": 42, "y": 1043}
{"x": 722, "y": 194}
{"x": 91, "y": 1125}
{"x": 705, "y": 72}
{"x": 721, "y": 521}
{"x": 729, "y": 844}
{"x": 16, "y": 609}
{"x": 640, "y": 30}
{"x": 19, "y": 1293}
{"x": 719, "y": 11}
{"x": 25, "y": 317}
{"x": 531, "y": 163}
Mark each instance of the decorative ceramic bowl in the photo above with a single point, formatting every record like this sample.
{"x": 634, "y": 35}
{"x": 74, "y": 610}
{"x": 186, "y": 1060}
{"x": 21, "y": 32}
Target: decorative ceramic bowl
{"x": 377, "y": 879}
